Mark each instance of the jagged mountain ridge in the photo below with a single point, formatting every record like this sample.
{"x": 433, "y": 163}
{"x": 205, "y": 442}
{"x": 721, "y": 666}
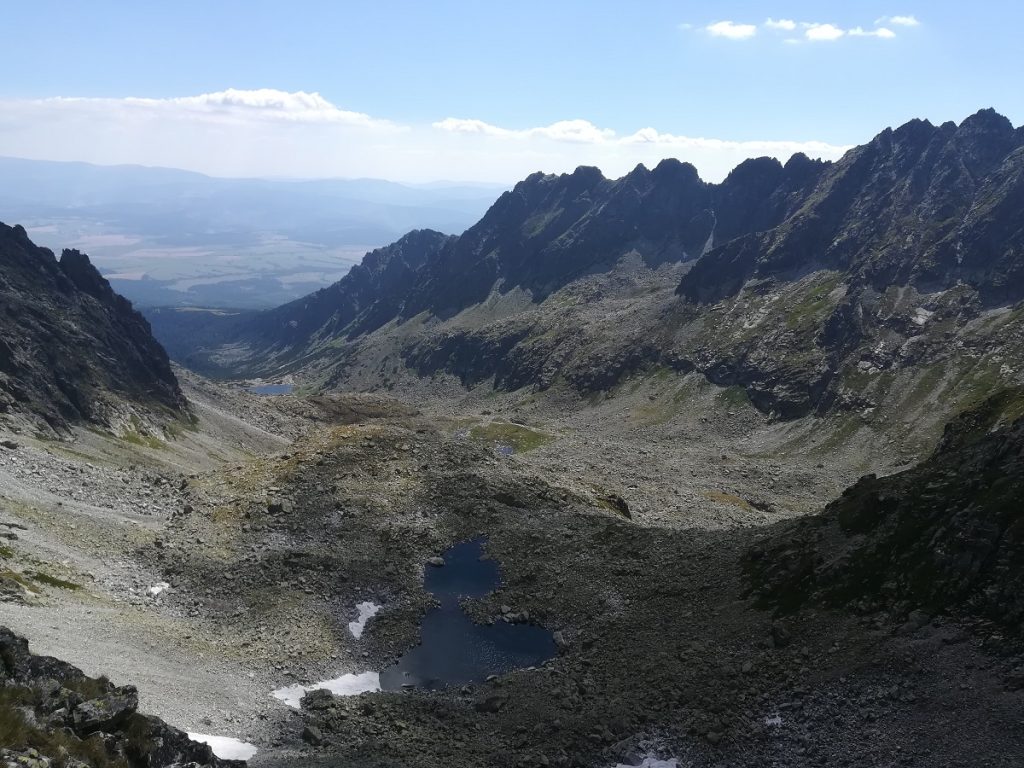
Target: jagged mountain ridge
{"x": 72, "y": 350}
{"x": 920, "y": 205}
{"x": 787, "y": 280}
{"x": 542, "y": 234}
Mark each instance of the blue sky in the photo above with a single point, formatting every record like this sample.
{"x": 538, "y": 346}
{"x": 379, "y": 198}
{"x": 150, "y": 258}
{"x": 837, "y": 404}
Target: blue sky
{"x": 470, "y": 89}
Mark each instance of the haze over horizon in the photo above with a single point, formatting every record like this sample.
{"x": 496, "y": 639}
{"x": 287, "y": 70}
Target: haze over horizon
{"x": 387, "y": 93}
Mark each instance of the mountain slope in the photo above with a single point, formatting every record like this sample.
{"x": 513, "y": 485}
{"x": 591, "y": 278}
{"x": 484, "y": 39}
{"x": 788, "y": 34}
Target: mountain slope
{"x": 71, "y": 350}
{"x": 892, "y": 275}
{"x": 946, "y": 536}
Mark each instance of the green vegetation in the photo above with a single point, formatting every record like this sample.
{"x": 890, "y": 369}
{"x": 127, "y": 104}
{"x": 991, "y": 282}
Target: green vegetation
{"x": 842, "y": 429}
{"x": 88, "y": 687}
{"x": 17, "y": 578}
{"x": 536, "y": 224}
{"x": 179, "y": 425}
{"x": 516, "y": 436}
{"x": 811, "y": 309}
{"x": 734, "y": 397}
{"x": 724, "y": 497}
{"x": 59, "y": 745}
{"x": 53, "y": 581}
{"x": 138, "y": 435}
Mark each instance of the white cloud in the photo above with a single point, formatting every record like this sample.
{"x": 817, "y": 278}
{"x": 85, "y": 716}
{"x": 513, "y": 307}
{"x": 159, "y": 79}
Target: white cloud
{"x": 812, "y": 31}
{"x": 822, "y": 32}
{"x": 276, "y": 133}
{"x": 882, "y": 32}
{"x": 899, "y": 21}
{"x": 616, "y": 154}
{"x": 565, "y": 130}
{"x": 732, "y": 30}
{"x": 262, "y": 104}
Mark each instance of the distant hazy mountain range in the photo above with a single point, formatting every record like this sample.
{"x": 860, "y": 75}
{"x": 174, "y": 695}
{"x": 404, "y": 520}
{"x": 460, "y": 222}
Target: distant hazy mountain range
{"x": 171, "y": 237}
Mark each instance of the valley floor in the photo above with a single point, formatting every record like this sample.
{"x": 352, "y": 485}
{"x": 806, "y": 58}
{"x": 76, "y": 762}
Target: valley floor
{"x": 228, "y": 562}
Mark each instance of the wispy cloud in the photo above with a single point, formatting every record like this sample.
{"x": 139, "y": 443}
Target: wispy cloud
{"x": 268, "y": 132}
{"x": 883, "y": 32}
{"x": 580, "y": 131}
{"x": 811, "y": 31}
{"x": 899, "y": 21}
{"x": 714, "y": 157}
{"x": 233, "y": 104}
{"x": 732, "y": 30}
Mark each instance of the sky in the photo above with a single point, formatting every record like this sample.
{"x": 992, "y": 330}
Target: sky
{"x": 487, "y": 91}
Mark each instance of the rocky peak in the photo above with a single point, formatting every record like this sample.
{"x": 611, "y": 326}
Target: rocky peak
{"x": 85, "y": 276}
{"x": 71, "y": 349}
{"x": 900, "y": 209}
{"x": 984, "y": 139}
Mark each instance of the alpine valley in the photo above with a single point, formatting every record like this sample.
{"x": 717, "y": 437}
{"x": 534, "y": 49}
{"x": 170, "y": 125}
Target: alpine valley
{"x": 744, "y": 460}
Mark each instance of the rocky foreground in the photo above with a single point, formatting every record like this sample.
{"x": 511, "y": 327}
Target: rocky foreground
{"x": 632, "y": 542}
{"x": 52, "y": 714}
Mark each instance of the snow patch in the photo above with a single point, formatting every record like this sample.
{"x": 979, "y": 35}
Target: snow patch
{"x": 774, "y": 721}
{"x": 156, "y": 589}
{"x": 367, "y": 611}
{"x": 651, "y": 762}
{"x": 346, "y": 685}
{"x": 225, "y": 747}
{"x": 922, "y": 316}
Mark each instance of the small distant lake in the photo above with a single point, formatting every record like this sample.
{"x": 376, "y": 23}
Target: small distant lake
{"x": 454, "y": 650}
{"x": 272, "y": 389}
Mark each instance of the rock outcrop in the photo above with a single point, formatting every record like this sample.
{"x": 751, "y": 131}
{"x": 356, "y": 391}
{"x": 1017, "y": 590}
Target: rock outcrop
{"x": 944, "y": 537}
{"x": 51, "y": 714}
{"x": 72, "y": 350}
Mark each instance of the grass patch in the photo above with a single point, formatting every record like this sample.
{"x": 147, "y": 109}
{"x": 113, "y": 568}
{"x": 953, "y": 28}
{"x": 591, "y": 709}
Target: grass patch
{"x": 811, "y": 309}
{"x": 724, "y": 497}
{"x": 848, "y": 426}
{"x": 17, "y": 578}
{"x": 519, "y": 438}
{"x": 6, "y": 551}
{"x": 53, "y": 581}
{"x": 59, "y": 745}
{"x": 175, "y": 429}
{"x": 88, "y": 687}
{"x": 734, "y": 397}
{"x": 138, "y": 436}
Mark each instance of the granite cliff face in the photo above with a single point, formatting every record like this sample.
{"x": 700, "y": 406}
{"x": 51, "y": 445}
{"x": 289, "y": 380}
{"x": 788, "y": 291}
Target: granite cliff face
{"x": 816, "y": 287}
{"x": 72, "y": 350}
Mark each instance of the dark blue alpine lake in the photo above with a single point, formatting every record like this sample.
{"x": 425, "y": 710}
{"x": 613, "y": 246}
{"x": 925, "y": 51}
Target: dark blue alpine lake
{"x": 454, "y": 650}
